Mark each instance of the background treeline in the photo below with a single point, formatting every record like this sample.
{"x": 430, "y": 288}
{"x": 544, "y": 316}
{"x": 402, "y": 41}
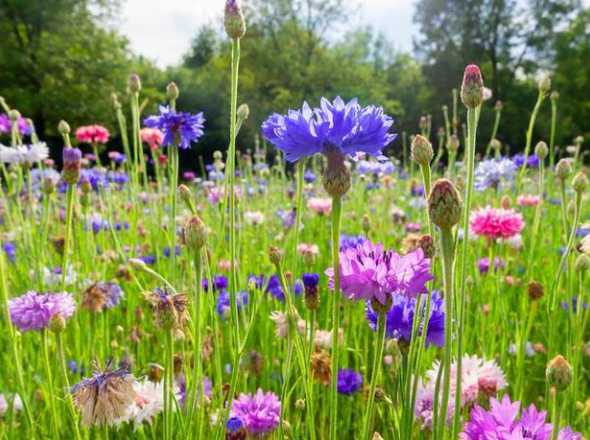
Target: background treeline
{"x": 63, "y": 59}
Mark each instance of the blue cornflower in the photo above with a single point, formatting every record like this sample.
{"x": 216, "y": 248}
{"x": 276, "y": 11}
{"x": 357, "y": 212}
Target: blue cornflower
{"x": 494, "y": 172}
{"x": 532, "y": 162}
{"x": 400, "y": 319}
{"x": 223, "y": 302}
{"x": 234, "y": 424}
{"x": 179, "y": 128}
{"x": 309, "y": 176}
{"x": 349, "y": 381}
{"x": 345, "y": 127}
{"x": 274, "y": 288}
{"x": 375, "y": 168}
{"x": 9, "y": 250}
{"x": 351, "y": 241}
{"x": 220, "y": 282}
{"x": 167, "y": 252}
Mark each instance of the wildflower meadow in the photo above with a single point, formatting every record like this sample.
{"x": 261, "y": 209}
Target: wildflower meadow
{"x": 336, "y": 278}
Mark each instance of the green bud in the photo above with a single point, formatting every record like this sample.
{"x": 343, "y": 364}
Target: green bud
{"x": 582, "y": 263}
{"x": 559, "y": 373}
{"x": 14, "y": 115}
{"x": 172, "y": 91}
{"x": 563, "y": 169}
{"x": 580, "y": 182}
{"x": 195, "y": 233}
{"x": 444, "y": 204}
{"x": 275, "y": 255}
{"x": 472, "y": 87}
{"x": 134, "y": 83}
{"x": 421, "y": 150}
{"x": 541, "y": 150}
{"x": 554, "y": 95}
{"x": 545, "y": 84}
{"x": 63, "y": 127}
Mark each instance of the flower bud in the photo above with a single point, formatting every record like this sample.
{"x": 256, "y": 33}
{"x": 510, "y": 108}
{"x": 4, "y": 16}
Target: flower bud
{"x": 559, "y": 373}
{"x": 499, "y": 105}
{"x": 472, "y": 87}
{"x": 496, "y": 145}
{"x": 554, "y": 96}
{"x": 563, "y": 169}
{"x": 582, "y": 263}
{"x": 366, "y": 224}
{"x": 243, "y": 112}
{"x": 336, "y": 178}
{"x": 63, "y": 127}
{"x": 14, "y": 115}
{"x": 580, "y": 182}
{"x": 155, "y": 372}
{"x": 134, "y": 83}
{"x": 421, "y": 150}
{"x": 195, "y": 233}
{"x": 310, "y": 284}
{"x": 545, "y": 84}
{"x": 454, "y": 143}
{"x": 444, "y": 204}
{"x": 423, "y": 123}
{"x": 233, "y": 21}
{"x": 535, "y": 290}
{"x": 57, "y": 324}
{"x": 116, "y": 103}
{"x": 541, "y": 150}
{"x": 72, "y": 163}
{"x": 275, "y": 255}
{"x": 172, "y": 91}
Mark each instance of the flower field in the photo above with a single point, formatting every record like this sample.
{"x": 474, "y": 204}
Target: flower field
{"x": 334, "y": 281}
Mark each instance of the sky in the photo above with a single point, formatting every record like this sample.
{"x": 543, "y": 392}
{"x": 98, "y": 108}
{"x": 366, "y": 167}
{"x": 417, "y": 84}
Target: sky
{"x": 162, "y": 30}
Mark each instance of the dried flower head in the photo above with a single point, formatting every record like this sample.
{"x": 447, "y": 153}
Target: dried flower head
{"x": 170, "y": 310}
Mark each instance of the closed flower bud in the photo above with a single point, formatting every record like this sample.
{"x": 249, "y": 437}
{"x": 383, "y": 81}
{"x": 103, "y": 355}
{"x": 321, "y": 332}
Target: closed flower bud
{"x": 63, "y": 127}
{"x": 506, "y": 202}
{"x": 243, "y": 112}
{"x": 496, "y": 145}
{"x": 155, "y": 372}
{"x": 472, "y": 87}
{"x": 563, "y": 169}
{"x": 421, "y": 150}
{"x": 423, "y": 123}
{"x": 336, "y": 178}
{"x": 310, "y": 284}
{"x": 444, "y": 204}
{"x": 300, "y": 404}
{"x": 535, "y": 290}
{"x": 454, "y": 143}
{"x": 559, "y": 373}
{"x": 233, "y": 21}
{"x": 545, "y": 84}
{"x": 541, "y": 150}
{"x": 582, "y": 263}
{"x": 275, "y": 255}
{"x": 580, "y": 182}
{"x": 554, "y": 95}
{"x": 172, "y": 91}
{"x": 195, "y": 233}
{"x": 57, "y": 324}
{"x": 134, "y": 83}
{"x": 116, "y": 103}
{"x": 72, "y": 163}
{"x": 499, "y": 105}
{"x": 14, "y": 115}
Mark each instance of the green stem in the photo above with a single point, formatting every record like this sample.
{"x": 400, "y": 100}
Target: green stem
{"x": 71, "y": 192}
{"x": 374, "y": 375}
{"x": 529, "y": 136}
{"x": 336, "y": 218}
{"x": 51, "y": 398}
{"x": 552, "y": 134}
{"x": 64, "y": 372}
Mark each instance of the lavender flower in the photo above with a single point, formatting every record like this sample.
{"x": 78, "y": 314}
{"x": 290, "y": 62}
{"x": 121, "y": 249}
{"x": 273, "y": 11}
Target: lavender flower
{"x": 493, "y": 173}
{"x": 349, "y": 381}
{"x": 502, "y": 422}
{"x": 400, "y": 319}
{"x": 179, "y": 128}
{"x": 34, "y": 311}
{"x": 351, "y": 241}
{"x": 346, "y": 127}
{"x": 223, "y": 302}
{"x": 259, "y": 413}
{"x": 10, "y": 251}
{"x": 369, "y": 272}
{"x": 532, "y": 161}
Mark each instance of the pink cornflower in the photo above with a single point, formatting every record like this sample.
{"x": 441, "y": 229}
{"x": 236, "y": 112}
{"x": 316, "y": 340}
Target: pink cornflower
{"x": 92, "y": 134}
{"x": 151, "y": 136}
{"x": 368, "y": 272}
{"x": 495, "y": 223}
{"x": 308, "y": 251}
{"x": 528, "y": 200}
{"x": 321, "y": 206}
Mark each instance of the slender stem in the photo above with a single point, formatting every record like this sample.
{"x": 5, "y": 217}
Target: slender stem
{"x": 67, "y": 236}
{"x": 66, "y": 380}
{"x": 552, "y": 134}
{"x": 336, "y": 218}
{"x": 472, "y": 118}
{"x": 51, "y": 398}
{"x": 426, "y": 180}
{"x": 374, "y": 375}
{"x": 494, "y": 132}
{"x": 299, "y": 205}
{"x": 529, "y": 136}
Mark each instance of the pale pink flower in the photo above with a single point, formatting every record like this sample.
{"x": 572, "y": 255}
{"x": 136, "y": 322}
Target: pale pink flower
{"x": 92, "y": 134}
{"x": 281, "y": 321}
{"x": 495, "y": 223}
{"x": 151, "y": 136}
{"x": 528, "y": 200}
{"x": 323, "y": 338}
{"x": 225, "y": 265}
{"x": 319, "y": 205}
{"x": 308, "y": 251}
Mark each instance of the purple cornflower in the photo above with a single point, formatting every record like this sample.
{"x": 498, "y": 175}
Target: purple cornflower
{"x": 345, "y": 127}
{"x": 220, "y": 282}
{"x": 309, "y": 176}
{"x": 6, "y": 125}
{"x": 493, "y": 173}
{"x": 501, "y": 422}
{"x": 9, "y": 250}
{"x": 167, "y": 252}
{"x": 179, "y": 128}
{"x": 400, "y": 319}
{"x": 483, "y": 264}
{"x": 349, "y": 381}
{"x": 259, "y": 413}
{"x": 274, "y": 288}
{"x": 255, "y": 281}
{"x": 532, "y": 161}
{"x": 34, "y": 311}
{"x": 369, "y": 272}
{"x": 375, "y": 168}
{"x": 223, "y": 302}
{"x": 351, "y": 241}
{"x": 288, "y": 217}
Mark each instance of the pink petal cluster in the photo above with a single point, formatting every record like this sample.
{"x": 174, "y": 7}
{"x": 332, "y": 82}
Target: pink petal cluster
{"x": 480, "y": 379}
{"x": 495, "y": 223}
{"x": 151, "y": 136}
{"x": 319, "y": 205}
{"x": 528, "y": 200}
{"x": 368, "y": 272}
{"x": 308, "y": 250}
{"x": 92, "y": 134}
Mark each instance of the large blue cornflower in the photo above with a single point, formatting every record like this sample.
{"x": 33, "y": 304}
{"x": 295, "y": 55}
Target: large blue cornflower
{"x": 400, "y": 319}
{"x": 345, "y": 127}
{"x": 493, "y": 173}
{"x": 179, "y": 128}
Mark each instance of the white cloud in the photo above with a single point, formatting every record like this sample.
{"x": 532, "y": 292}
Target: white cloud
{"x": 162, "y": 29}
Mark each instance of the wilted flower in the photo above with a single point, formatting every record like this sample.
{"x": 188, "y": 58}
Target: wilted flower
{"x": 101, "y": 295}
{"x": 170, "y": 309}
{"x": 321, "y": 367}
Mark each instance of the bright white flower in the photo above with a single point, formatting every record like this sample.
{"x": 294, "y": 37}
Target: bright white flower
{"x": 149, "y": 402}
{"x": 36, "y": 152}
{"x": 254, "y": 217}
{"x": 282, "y": 324}
{"x": 515, "y": 242}
{"x": 30, "y": 154}
{"x": 4, "y": 404}
{"x": 53, "y": 276}
{"x": 9, "y": 154}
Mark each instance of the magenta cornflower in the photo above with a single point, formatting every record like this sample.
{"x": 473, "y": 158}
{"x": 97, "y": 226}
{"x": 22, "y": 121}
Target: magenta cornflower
{"x": 369, "y": 272}
{"x": 501, "y": 422}
{"x": 34, "y": 311}
{"x": 259, "y": 413}
{"x": 494, "y": 223}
